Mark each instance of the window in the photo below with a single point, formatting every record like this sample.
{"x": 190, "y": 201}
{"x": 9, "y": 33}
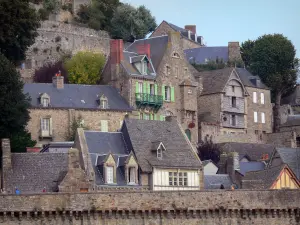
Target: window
{"x": 159, "y": 153}
{"x": 152, "y": 90}
{"x": 254, "y": 97}
{"x": 104, "y": 125}
{"x": 140, "y": 87}
{"x": 109, "y": 174}
{"x": 256, "y": 132}
{"x": 176, "y": 71}
{"x": 233, "y": 102}
{"x": 262, "y": 98}
{"x": 141, "y": 116}
{"x": 233, "y": 120}
{"x": 289, "y": 111}
{"x": 103, "y": 104}
{"x": 255, "y": 117}
{"x": 178, "y": 179}
{"x": 263, "y": 119}
{"x": 46, "y": 127}
{"x": 232, "y": 87}
{"x": 144, "y": 67}
{"x": 131, "y": 174}
{"x": 146, "y": 116}
{"x": 45, "y": 102}
{"x": 167, "y": 93}
{"x": 298, "y": 142}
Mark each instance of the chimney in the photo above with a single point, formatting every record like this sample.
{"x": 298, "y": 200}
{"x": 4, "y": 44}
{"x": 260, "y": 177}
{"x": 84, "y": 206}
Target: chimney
{"x": 191, "y": 28}
{"x": 6, "y": 155}
{"x": 116, "y": 51}
{"x": 234, "y": 53}
{"x": 222, "y": 163}
{"x": 58, "y": 80}
{"x": 171, "y": 119}
{"x": 173, "y": 38}
{"x": 144, "y": 49}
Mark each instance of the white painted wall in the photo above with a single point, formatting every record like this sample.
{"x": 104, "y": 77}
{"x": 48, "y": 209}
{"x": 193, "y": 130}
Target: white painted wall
{"x": 161, "y": 180}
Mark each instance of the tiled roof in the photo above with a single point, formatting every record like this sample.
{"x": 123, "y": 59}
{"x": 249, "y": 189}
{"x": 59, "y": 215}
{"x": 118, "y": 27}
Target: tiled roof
{"x": 33, "y": 171}
{"x": 76, "y": 96}
{"x": 249, "y": 80}
{"x": 292, "y": 120}
{"x": 200, "y": 55}
{"x": 215, "y": 181}
{"x": 253, "y": 151}
{"x": 251, "y": 166}
{"x": 141, "y": 133}
{"x": 262, "y": 179}
{"x": 291, "y": 157}
{"x": 100, "y": 145}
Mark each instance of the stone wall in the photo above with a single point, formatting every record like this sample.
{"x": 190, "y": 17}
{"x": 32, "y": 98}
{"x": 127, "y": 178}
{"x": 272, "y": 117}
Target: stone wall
{"x": 282, "y": 139}
{"x": 285, "y": 111}
{"x": 62, "y": 120}
{"x": 58, "y": 39}
{"x": 271, "y": 207}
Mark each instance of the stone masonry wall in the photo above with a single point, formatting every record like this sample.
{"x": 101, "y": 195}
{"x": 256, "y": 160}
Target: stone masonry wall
{"x": 58, "y": 39}
{"x": 62, "y": 120}
{"x": 273, "y": 207}
{"x": 210, "y": 103}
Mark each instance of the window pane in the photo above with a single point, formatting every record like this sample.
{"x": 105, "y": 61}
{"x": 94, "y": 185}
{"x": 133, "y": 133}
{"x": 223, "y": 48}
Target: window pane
{"x": 110, "y": 174}
{"x": 262, "y": 98}
{"x": 254, "y": 97}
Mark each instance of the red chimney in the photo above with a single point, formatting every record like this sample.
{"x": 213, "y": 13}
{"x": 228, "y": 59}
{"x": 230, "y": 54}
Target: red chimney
{"x": 144, "y": 49}
{"x": 116, "y": 51}
{"x": 191, "y": 28}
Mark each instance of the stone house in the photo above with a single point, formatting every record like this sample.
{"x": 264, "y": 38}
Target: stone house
{"x": 190, "y": 39}
{"x": 154, "y": 77}
{"x": 292, "y": 124}
{"x": 55, "y": 107}
{"x": 38, "y": 172}
{"x": 144, "y": 154}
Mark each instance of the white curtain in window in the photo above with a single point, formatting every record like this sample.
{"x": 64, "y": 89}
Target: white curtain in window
{"x": 255, "y": 117}
{"x": 254, "y": 97}
{"x": 262, "y": 98}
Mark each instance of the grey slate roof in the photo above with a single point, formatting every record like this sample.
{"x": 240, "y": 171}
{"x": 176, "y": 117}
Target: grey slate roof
{"x": 199, "y": 55}
{"x": 249, "y": 80}
{"x": 76, "y": 96}
{"x": 215, "y": 181}
{"x": 291, "y": 157}
{"x": 253, "y": 151}
{"x": 141, "y": 134}
{"x": 100, "y": 145}
{"x": 34, "y": 171}
{"x": 262, "y": 179}
{"x": 292, "y": 120}
{"x": 184, "y": 33}
{"x": 251, "y": 166}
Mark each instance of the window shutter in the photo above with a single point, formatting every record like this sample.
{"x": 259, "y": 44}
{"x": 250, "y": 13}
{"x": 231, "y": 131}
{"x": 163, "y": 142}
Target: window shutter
{"x": 136, "y": 87}
{"x": 172, "y": 94}
{"x": 145, "y": 88}
{"x": 155, "y": 89}
{"x": 163, "y": 91}
{"x": 50, "y": 127}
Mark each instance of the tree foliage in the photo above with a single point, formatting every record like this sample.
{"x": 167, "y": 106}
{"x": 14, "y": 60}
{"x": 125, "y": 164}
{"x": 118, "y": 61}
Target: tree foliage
{"x": 207, "y": 150}
{"x": 18, "y": 24}
{"x": 14, "y": 105}
{"x": 51, "y": 5}
{"x": 217, "y": 64}
{"x": 45, "y": 73}
{"x": 128, "y": 22}
{"x": 85, "y": 67}
{"x": 272, "y": 58}
{"x": 76, "y": 123}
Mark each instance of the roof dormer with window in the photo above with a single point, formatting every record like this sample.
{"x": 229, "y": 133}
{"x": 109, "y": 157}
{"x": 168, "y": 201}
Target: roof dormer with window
{"x": 142, "y": 64}
{"x": 103, "y": 102}
{"x": 44, "y": 100}
{"x": 159, "y": 148}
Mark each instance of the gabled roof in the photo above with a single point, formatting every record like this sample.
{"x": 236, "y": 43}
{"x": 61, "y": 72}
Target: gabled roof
{"x": 31, "y": 172}
{"x": 251, "y": 166}
{"x": 76, "y": 96}
{"x": 141, "y": 133}
{"x": 201, "y": 54}
{"x": 215, "y": 181}
{"x": 253, "y": 151}
{"x": 249, "y": 80}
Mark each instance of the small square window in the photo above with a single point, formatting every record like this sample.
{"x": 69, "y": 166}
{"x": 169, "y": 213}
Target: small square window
{"x": 232, "y": 87}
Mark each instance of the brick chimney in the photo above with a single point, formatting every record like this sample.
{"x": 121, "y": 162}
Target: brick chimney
{"x": 58, "y": 80}
{"x": 144, "y": 49}
{"x": 116, "y": 51}
{"x": 234, "y": 53}
{"x": 191, "y": 28}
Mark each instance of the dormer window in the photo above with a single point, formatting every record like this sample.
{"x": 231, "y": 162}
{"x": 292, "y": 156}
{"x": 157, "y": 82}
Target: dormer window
{"x": 103, "y": 102}
{"x": 144, "y": 67}
{"x": 45, "y": 100}
{"x": 159, "y": 148}
{"x": 159, "y": 153}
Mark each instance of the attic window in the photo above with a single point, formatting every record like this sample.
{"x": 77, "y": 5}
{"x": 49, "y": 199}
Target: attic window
{"x": 159, "y": 153}
{"x": 103, "y": 102}
{"x": 45, "y": 100}
{"x": 175, "y": 55}
{"x": 159, "y": 148}
{"x": 144, "y": 67}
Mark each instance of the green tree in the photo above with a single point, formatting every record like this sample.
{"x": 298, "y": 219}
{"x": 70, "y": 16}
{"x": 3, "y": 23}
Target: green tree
{"x": 85, "y": 67}
{"x": 128, "y": 22}
{"x": 207, "y": 150}
{"x": 14, "y": 105}
{"x": 272, "y": 58}
{"x": 246, "y": 49}
{"x": 76, "y": 123}
{"x": 51, "y": 5}
{"x": 18, "y": 24}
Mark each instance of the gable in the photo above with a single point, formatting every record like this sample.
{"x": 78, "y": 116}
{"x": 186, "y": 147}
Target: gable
{"x": 131, "y": 161}
{"x": 110, "y": 160}
{"x": 286, "y": 179}
{"x": 234, "y": 80}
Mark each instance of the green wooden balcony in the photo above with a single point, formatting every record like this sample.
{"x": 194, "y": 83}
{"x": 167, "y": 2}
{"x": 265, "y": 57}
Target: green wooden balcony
{"x": 154, "y": 101}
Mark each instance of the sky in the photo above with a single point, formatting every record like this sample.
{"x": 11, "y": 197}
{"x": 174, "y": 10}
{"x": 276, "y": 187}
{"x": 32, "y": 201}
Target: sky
{"x": 221, "y": 21}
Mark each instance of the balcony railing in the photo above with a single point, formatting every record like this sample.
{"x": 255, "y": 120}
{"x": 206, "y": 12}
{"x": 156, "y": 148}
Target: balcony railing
{"x": 155, "y": 101}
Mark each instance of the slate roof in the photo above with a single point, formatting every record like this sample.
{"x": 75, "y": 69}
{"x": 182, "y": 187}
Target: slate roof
{"x": 100, "y": 145}
{"x": 215, "y": 181}
{"x": 141, "y": 134}
{"x": 262, "y": 179}
{"x": 76, "y": 96}
{"x": 291, "y": 157}
{"x": 253, "y": 151}
{"x": 200, "y": 55}
{"x": 34, "y": 171}
{"x": 251, "y": 166}
{"x": 249, "y": 80}
{"x": 214, "y": 81}
{"x": 292, "y": 120}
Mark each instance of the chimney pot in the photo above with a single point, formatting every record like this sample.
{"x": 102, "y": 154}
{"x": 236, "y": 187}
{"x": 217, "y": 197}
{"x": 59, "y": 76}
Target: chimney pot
{"x": 58, "y": 81}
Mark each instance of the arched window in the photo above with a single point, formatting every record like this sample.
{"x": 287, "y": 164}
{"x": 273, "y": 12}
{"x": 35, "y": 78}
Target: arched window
{"x": 188, "y": 133}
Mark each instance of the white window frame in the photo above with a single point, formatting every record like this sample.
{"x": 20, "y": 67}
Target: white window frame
{"x": 104, "y": 125}
{"x": 167, "y": 93}
{"x": 144, "y": 67}
{"x": 45, "y": 127}
{"x": 104, "y": 104}
{"x": 131, "y": 175}
{"x": 146, "y": 116}
{"x": 152, "y": 89}
{"x": 45, "y": 101}
{"x": 140, "y": 87}
{"x": 254, "y": 97}
{"x": 109, "y": 174}
{"x": 178, "y": 179}
{"x": 262, "y": 98}
{"x": 255, "y": 117}
{"x": 263, "y": 117}
{"x": 159, "y": 153}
